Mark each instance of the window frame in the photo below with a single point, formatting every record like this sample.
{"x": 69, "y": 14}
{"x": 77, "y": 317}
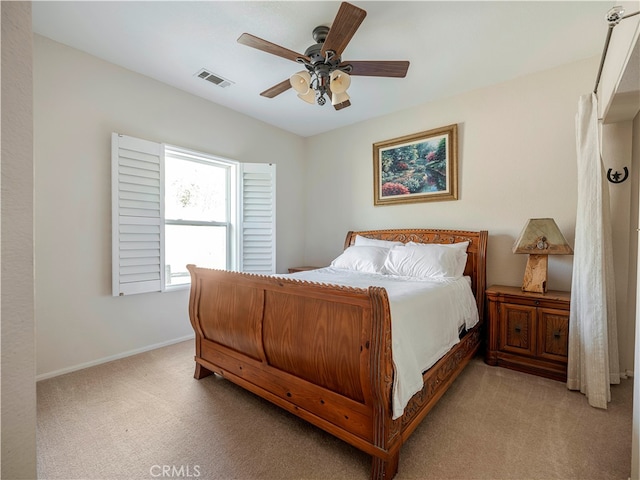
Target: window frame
{"x": 175, "y": 153}
{"x": 138, "y": 221}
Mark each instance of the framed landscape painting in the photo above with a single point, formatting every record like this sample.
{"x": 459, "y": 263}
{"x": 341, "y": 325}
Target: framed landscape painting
{"x": 422, "y": 167}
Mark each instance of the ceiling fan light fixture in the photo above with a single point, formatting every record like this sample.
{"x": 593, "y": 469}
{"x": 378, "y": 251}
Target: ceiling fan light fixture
{"x": 309, "y": 96}
{"x": 326, "y": 74}
{"x": 340, "y": 81}
{"x": 301, "y": 81}
{"x": 338, "y": 98}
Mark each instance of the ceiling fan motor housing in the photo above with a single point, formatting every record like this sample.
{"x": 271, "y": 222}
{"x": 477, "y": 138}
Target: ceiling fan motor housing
{"x": 314, "y": 52}
{"x": 320, "y": 33}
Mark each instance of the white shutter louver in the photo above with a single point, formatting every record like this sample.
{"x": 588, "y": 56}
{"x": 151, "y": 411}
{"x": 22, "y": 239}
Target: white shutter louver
{"x": 258, "y": 218}
{"x": 137, "y": 215}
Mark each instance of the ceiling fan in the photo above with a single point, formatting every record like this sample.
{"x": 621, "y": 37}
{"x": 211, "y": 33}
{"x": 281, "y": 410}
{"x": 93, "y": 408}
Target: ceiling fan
{"x": 326, "y": 73}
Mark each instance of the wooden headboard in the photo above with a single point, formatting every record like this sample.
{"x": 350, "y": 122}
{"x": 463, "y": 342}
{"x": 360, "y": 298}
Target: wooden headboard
{"x": 476, "y": 251}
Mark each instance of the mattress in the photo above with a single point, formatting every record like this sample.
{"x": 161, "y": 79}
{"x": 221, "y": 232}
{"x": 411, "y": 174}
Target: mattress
{"x": 426, "y": 318}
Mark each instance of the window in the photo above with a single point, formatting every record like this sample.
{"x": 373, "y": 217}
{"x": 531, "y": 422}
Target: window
{"x": 197, "y": 211}
{"x": 172, "y": 207}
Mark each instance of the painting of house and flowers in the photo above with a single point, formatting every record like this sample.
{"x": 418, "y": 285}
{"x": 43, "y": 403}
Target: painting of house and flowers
{"x": 417, "y": 168}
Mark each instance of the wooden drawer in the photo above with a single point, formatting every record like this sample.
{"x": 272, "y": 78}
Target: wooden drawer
{"x": 553, "y": 334}
{"x": 516, "y": 324}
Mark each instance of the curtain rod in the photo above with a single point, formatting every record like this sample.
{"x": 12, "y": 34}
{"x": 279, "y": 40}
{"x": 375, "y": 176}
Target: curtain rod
{"x": 614, "y": 17}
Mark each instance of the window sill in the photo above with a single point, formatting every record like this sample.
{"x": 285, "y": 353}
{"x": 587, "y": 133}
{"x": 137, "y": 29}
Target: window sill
{"x": 177, "y": 288}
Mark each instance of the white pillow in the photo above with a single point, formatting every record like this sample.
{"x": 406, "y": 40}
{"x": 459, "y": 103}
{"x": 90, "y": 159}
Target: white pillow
{"x": 374, "y": 242}
{"x": 463, "y": 258}
{"x": 426, "y": 261}
{"x": 362, "y": 258}
{"x": 460, "y": 245}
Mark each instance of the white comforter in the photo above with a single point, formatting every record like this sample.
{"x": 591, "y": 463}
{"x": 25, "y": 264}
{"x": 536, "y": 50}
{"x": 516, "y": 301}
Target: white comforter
{"x": 426, "y": 315}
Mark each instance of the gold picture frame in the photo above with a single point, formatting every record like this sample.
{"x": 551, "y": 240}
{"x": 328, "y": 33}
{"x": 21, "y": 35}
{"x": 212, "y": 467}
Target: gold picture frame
{"x": 422, "y": 167}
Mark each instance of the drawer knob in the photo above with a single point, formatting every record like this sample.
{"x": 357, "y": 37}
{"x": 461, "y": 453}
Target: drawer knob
{"x": 556, "y": 334}
{"x": 518, "y": 328}
{"x": 537, "y": 302}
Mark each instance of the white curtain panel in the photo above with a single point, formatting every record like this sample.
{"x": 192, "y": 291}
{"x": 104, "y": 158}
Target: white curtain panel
{"x": 593, "y": 340}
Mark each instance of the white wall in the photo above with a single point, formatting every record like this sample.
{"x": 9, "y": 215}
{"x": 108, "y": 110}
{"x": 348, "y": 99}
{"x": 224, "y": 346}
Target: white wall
{"x": 517, "y": 160}
{"x": 17, "y": 363}
{"x": 78, "y": 101}
{"x": 616, "y": 155}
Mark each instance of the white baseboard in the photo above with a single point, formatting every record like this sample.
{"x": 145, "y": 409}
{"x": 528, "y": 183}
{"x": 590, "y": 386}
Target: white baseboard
{"x": 111, "y": 358}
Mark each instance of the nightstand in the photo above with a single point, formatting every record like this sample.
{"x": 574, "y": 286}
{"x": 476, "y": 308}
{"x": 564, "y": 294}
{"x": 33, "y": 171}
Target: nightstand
{"x": 302, "y": 269}
{"x": 528, "y": 331}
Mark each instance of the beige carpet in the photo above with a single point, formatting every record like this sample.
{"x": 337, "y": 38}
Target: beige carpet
{"x": 145, "y": 417}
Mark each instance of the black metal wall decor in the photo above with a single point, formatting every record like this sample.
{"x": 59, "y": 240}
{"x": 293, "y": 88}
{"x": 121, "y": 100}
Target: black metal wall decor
{"x": 615, "y": 177}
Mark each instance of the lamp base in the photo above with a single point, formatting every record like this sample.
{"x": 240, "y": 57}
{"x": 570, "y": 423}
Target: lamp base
{"x": 535, "y": 274}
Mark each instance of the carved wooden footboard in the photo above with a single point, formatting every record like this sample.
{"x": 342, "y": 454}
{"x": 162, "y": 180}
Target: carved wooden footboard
{"x": 323, "y": 352}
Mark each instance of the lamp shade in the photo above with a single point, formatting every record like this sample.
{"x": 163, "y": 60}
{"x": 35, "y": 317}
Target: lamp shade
{"x": 300, "y": 82}
{"x": 541, "y": 236}
{"x": 340, "y": 81}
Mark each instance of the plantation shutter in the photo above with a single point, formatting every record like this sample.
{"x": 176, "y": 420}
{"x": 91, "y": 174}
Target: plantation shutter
{"x": 258, "y": 218}
{"x": 137, "y": 215}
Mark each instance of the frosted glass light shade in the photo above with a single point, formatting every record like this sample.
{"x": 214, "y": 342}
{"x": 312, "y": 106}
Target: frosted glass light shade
{"x": 309, "y": 97}
{"x": 300, "y": 82}
{"x": 338, "y": 98}
{"x": 340, "y": 81}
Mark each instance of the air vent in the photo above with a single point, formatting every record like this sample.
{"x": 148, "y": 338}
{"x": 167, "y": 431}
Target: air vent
{"x": 213, "y": 78}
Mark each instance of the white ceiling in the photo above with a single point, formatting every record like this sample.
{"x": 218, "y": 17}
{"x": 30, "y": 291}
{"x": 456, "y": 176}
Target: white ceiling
{"x": 453, "y": 47}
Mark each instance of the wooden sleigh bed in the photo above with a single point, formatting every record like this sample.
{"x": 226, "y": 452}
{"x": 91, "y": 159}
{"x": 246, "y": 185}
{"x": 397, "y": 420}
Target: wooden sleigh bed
{"x": 323, "y": 352}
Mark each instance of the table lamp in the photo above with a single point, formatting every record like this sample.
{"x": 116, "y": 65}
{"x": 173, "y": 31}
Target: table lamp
{"x": 539, "y": 237}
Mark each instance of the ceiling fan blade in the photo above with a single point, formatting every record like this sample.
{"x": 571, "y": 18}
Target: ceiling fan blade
{"x": 347, "y": 21}
{"x": 383, "y": 68}
{"x": 277, "y": 89}
{"x": 255, "y": 42}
